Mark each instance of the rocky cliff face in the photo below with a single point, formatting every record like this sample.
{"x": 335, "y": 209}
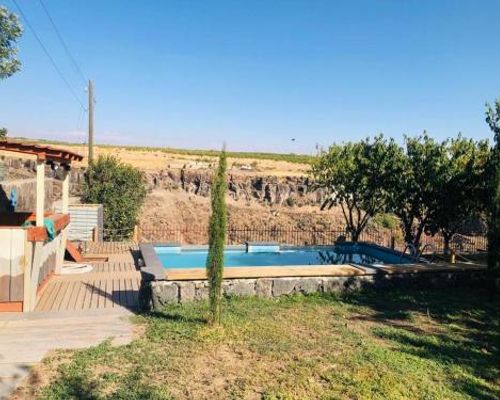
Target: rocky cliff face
{"x": 271, "y": 190}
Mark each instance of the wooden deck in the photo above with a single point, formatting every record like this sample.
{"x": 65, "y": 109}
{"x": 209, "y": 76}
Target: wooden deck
{"x": 114, "y": 284}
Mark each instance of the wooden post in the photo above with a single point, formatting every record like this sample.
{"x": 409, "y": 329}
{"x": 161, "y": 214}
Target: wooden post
{"x": 135, "y": 238}
{"x": 40, "y": 191}
{"x": 65, "y": 191}
{"x": 65, "y": 210}
{"x": 91, "y": 122}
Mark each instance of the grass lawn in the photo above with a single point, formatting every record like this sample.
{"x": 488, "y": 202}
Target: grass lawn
{"x": 375, "y": 345}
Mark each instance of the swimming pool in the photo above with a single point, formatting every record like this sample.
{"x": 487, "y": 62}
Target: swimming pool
{"x": 172, "y": 257}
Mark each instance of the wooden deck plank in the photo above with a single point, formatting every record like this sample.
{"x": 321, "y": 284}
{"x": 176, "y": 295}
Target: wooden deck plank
{"x": 115, "y": 293}
{"x": 109, "y": 293}
{"x": 52, "y": 299}
{"x": 135, "y": 297}
{"x": 94, "y": 303}
{"x": 88, "y": 294}
{"x": 42, "y": 302}
{"x": 79, "y": 296}
{"x": 66, "y": 298}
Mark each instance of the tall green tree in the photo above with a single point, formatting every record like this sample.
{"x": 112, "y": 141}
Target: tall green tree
{"x": 121, "y": 189}
{"x": 493, "y": 120}
{"x": 413, "y": 195}
{"x": 462, "y": 191}
{"x": 356, "y": 177}
{"x": 217, "y": 238}
{"x": 10, "y": 32}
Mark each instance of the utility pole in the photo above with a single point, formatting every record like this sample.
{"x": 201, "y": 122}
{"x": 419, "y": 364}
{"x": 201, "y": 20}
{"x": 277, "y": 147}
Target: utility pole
{"x": 91, "y": 122}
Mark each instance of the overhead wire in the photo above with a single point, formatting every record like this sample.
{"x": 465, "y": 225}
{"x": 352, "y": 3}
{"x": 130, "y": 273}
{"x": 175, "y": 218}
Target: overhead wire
{"x": 45, "y": 50}
{"x": 63, "y": 42}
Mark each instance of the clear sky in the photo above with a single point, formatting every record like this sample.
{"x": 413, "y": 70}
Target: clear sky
{"x": 256, "y": 73}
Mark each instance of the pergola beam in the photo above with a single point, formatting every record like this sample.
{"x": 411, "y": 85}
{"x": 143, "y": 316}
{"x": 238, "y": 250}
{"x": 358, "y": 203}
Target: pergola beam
{"x": 45, "y": 153}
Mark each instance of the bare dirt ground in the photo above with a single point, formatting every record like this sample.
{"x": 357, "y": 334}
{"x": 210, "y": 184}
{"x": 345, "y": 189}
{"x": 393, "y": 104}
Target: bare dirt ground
{"x": 164, "y": 209}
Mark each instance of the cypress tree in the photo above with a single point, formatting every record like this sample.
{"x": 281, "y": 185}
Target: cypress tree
{"x": 217, "y": 238}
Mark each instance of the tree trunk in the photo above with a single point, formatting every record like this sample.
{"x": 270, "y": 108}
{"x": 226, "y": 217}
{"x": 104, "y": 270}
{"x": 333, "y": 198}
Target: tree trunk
{"x": 354, "y": 235}
{"x": 418, "y": 235}
{"x": 447, "y": 236}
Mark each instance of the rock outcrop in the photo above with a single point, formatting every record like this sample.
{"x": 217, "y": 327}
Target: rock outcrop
{"x": 271, "y": 190}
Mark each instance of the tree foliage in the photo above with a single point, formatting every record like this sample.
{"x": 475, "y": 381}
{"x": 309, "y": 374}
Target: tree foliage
{"x": 493, "y": 120}
{"x": 356, "y": 177}
{"x": 462, "y": 193}
{"x": 413, "y": 195}
{"x": 217, "y": 238}
{"x": 121, "y": 189}
{"x": 3, "y": 133}
{"x": 10, "y": 32}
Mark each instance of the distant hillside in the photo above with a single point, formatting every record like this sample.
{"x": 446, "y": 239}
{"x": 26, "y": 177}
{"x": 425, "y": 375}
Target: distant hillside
{"x": 291, "y": 157}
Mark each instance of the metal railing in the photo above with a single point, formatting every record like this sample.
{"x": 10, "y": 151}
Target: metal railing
{"x": 292, "y": 236}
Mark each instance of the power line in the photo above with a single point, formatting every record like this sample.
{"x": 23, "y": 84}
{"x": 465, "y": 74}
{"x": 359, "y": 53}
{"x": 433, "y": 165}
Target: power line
{"x": 70, "y": 88}
{"x": 66, "y": 49}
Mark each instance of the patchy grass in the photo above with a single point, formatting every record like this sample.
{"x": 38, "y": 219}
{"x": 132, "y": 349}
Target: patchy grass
{"x": 373, "y": 345}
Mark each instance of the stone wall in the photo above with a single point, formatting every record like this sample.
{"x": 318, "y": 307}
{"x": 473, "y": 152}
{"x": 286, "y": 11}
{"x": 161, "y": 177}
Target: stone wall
{"x": 160, "y": 293}
{"x": 26, "y": 194}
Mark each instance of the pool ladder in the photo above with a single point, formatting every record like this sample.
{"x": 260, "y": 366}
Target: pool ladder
{"x": 415, "y": 255}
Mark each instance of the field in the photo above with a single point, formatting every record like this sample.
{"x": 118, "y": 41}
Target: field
{"x": 152, "y": 158}
{"x": 386, "y": 345}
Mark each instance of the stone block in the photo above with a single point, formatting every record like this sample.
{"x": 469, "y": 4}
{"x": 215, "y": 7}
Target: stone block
{"x": 263, "y": 287}
{"x": 309, "y": 285}
{"x": 201, "y": 290}
{"x": 164, "y": 293}
{"x": 333, "y": 285}
{"x": 187, "y": 292}
{"x": 282, "y": 286}
{"x": 241, "y": 287}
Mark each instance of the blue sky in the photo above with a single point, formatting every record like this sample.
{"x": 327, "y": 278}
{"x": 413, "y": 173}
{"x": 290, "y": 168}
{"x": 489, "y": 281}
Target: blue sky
{"x": 256, "y": 73}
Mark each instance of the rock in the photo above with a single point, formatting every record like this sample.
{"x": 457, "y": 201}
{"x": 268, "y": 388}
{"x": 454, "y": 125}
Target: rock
{"x": 309, "y": 285}
{"x": 164, "y": 293}
{"x": 187, "y": 292}
{"x": 263, "y": 287}
{"x": 282, "y": 286}
{"x": 201, "y": 288}
{"x": 241, "y": 287}
{"x": 333, "y": 285}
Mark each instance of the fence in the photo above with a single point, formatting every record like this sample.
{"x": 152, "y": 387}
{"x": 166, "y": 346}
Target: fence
{"x": 304, "y": 237}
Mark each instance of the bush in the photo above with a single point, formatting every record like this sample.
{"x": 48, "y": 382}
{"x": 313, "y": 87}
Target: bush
{"x": 387, "y": 221}
{"x": 121, "y": 189}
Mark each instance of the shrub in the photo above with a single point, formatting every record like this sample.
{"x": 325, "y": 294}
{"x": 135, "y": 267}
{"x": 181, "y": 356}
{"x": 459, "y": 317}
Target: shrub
{"x": 121, "y": 189}
{"x": 290, "y": 201}
{"x": 387, "y": 221}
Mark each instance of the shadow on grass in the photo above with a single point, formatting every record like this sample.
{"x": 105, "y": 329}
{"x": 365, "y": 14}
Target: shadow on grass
{"x": 463, "y": 330}
{"x": 178, "y": 316}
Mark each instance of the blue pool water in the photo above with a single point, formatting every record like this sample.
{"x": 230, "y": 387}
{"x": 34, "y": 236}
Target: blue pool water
{"x": 187, "y": 258}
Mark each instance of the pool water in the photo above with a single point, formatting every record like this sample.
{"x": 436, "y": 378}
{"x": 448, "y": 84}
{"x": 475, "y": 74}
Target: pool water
{"x": 187, "y": 258}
